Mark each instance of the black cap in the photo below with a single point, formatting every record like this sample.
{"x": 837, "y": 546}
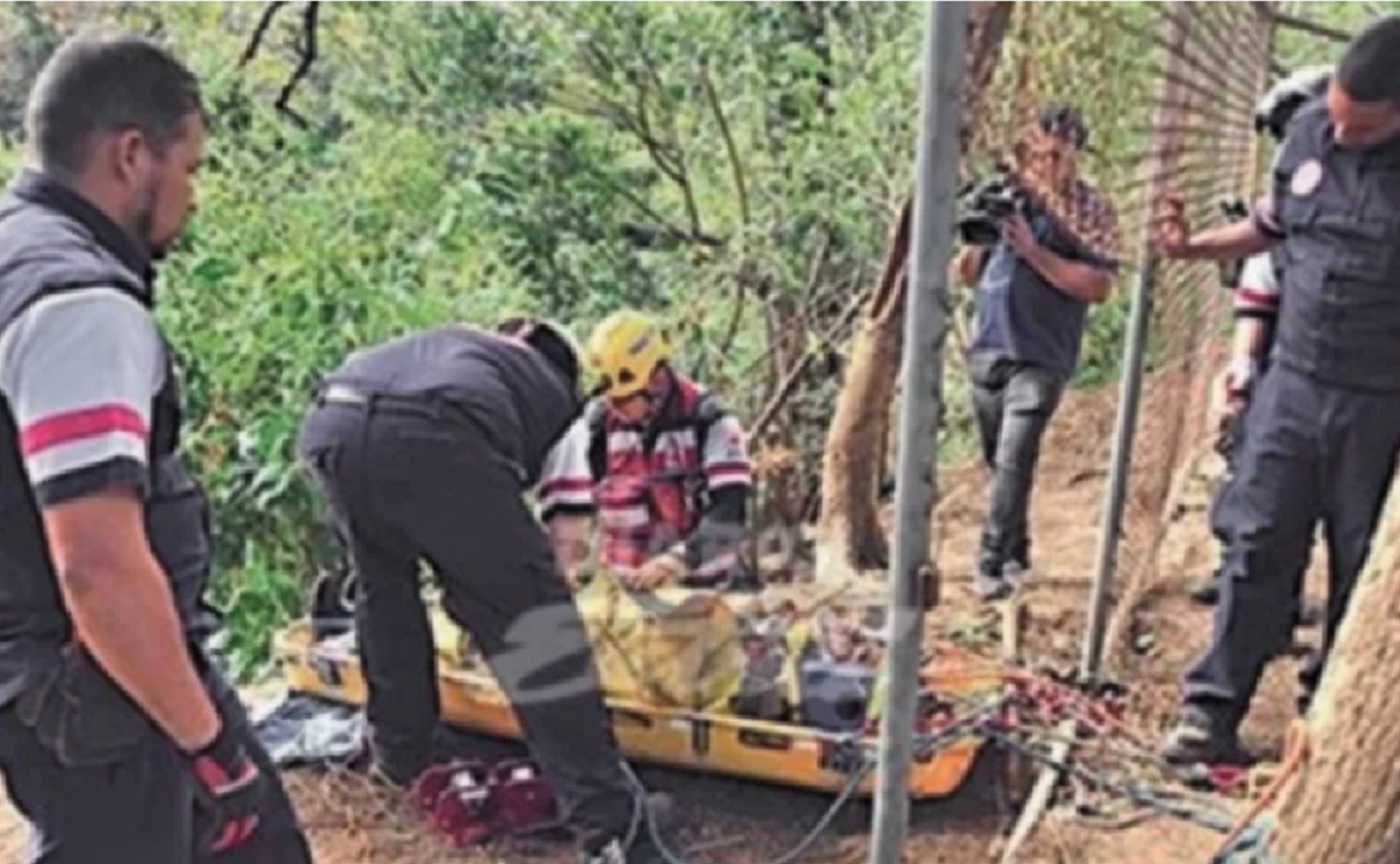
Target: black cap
{"x": 550, "y": 341}
{"x": 1367, "y": 69}
{"x": 1065, "y": 123}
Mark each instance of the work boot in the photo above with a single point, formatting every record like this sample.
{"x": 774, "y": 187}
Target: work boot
{"x": 1017, "y": 572}
{"x": 1207, "y": 591}
{"x": 1309, "y": 614}
{"x": 992, "y": 587}
{"x": 1197, "y": 740}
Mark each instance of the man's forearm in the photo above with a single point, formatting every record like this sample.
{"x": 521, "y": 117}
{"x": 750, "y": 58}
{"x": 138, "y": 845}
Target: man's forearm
{"x": 125, "y": 618}
{"x": 1238, "y": 240}
{"x": 1075, "y": 278}
{"x": 718, "y": 540}
{"x": 969, "y": 264}
{"x": 1251, "y": 339}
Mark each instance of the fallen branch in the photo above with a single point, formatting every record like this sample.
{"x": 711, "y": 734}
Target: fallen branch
{"x": 1041, "y": 795}
{"x": 1283, "y": 19}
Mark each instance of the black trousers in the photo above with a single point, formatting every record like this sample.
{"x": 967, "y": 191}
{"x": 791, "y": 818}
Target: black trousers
{"x": 1218, "y": 513}
{"x": 140, "y": 808}
{"x": 1311, "y": 453}
{"x": 1013, "y": 403}
{"x": 413, "y": 485}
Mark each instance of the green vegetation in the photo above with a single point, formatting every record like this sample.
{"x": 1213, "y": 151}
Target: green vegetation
{"x": 732, "y": 167}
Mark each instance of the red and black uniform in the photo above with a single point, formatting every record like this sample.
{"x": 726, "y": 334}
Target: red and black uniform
{"x": 681, "y": 478}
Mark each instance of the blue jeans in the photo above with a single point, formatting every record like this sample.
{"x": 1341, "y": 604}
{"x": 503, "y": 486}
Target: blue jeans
{"x": 1013, "y": 402}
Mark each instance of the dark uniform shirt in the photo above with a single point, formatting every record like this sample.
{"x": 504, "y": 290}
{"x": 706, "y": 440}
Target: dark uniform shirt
{"x": 503, "y": 387}
{"x": 1337, "y": 211}
{"x": 89, "y": 400}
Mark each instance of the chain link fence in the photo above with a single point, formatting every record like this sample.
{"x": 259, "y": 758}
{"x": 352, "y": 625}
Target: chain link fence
{"x": 1170, "y": 116}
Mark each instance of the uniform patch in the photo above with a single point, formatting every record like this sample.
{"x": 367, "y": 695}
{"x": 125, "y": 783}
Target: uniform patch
{"x": 1306, "y": 179}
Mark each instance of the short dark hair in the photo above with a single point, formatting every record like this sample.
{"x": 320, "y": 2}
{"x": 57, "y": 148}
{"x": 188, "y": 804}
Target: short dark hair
{"x": 105, "y": 82}
{"x": 1367, "y": 69}
{"x": 1066, "y": 123}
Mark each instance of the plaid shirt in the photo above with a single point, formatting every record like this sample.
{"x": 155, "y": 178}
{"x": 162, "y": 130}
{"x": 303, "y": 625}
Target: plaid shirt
{"x": 1080, "y": 211}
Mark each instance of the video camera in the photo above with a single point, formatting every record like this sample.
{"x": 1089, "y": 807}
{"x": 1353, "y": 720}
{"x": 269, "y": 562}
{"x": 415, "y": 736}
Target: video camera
{"x": 986, "y": 204}
{"x": 1234, "y": 210}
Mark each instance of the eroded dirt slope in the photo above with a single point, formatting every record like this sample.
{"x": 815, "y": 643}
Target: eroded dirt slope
{"x": 727, "y": 821}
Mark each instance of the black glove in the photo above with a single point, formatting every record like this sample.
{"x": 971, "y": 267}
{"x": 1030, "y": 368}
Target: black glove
{"x": 229, "y": 787}
{"x": 1229, "y": 435}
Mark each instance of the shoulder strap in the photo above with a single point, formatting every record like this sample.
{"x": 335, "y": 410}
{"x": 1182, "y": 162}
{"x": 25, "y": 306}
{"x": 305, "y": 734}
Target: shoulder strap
{"x": 708, "y": 411}
{"x": 596, "y": 417}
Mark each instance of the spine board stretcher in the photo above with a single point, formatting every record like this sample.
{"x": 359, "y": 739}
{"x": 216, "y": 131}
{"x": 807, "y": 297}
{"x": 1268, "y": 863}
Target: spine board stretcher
{"x": 785, "y": 754}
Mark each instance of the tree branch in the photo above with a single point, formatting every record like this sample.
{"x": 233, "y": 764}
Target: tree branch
{"x": 785, "y": 390}
{"x": 736, "y": 167}
{"x": 1283, "y": 19}
{"x": 307, "y": 51}
{"x": 260, "y": 32}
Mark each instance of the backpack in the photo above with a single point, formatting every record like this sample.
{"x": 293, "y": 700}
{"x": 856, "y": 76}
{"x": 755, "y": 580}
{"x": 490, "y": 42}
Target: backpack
{"x": 708, "y": 411}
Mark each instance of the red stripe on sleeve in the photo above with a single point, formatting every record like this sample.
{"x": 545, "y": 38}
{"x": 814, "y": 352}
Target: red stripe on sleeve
{"x": 566, "y": 484}
{"x": 1255, "y": 297}
{"x": 70, "y": 426}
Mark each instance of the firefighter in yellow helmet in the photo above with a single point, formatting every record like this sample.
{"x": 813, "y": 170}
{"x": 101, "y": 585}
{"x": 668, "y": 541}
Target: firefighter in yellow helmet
{"x": 656, "y": 460}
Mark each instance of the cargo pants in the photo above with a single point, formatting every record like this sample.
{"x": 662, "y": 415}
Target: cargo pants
{"x": 138, "y": 804}
{"x": 413, "y": 483}
{"x": 1311, "y": 453}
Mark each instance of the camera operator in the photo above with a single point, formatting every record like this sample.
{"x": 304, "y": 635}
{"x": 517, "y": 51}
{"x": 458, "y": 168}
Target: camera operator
{"x": 1035, "y": 282}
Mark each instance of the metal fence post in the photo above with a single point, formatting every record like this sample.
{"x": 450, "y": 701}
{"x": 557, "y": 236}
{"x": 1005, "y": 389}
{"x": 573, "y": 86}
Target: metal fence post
{"x": 1173, "y": 33}
{"x": 925, "y": 327}
{"x": 1120, "y": 462}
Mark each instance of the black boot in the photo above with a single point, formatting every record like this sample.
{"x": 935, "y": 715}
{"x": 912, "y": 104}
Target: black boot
{"x": 1207, "y": 591}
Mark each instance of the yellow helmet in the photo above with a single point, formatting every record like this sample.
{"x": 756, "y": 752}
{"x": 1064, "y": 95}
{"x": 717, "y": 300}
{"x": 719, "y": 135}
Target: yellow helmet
{"x": 624, "y": 351}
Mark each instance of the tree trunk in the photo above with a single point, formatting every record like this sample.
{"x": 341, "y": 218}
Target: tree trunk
{"x": 849, "y": 534}
{"x": 1344, "y": 806}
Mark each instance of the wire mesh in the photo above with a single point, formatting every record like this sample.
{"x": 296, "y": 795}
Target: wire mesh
{"x": 1173, "y": 117}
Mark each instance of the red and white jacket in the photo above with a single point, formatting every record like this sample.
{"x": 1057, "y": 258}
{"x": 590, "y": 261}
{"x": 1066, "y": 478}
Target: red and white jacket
{"x": 645, "y": 484}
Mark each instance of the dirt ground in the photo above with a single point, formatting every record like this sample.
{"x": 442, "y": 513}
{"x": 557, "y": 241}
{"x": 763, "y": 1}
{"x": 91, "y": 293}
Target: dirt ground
{"x": 720, "y": 820}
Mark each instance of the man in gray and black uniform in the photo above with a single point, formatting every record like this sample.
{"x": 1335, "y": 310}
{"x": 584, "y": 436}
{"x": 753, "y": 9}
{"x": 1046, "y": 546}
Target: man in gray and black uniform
{"x": 426, "y": 447}
{"x": 1324, "y": 427}
{"x": 119, "y": 741}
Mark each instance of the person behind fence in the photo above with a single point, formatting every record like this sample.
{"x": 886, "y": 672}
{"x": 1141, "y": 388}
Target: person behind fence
{"x": 120, "y": 740}
{"x": 659, "y": 460}
{"x": 1035, "y": 282}
{"x": 1324, "y": 427}
{"x": 425, "y": 447}
{"x": 1255, "y": 308}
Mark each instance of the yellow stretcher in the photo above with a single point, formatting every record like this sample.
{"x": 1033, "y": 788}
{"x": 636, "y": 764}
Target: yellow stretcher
{"x": 780, "y": 753}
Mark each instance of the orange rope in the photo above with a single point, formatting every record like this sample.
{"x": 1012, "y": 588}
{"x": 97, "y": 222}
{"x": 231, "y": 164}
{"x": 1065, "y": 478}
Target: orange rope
{"x": 1295, "y": 755}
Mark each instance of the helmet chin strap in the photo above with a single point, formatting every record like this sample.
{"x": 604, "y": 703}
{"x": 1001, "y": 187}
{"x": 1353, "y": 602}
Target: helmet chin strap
{"x": 657, "y": 397}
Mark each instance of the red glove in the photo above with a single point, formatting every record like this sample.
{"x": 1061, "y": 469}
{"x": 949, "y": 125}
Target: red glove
{"x": 230, "y": 788}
